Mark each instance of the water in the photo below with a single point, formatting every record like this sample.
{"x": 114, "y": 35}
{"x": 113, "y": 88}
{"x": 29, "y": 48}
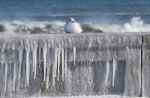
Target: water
{"x": 49, "y": 16}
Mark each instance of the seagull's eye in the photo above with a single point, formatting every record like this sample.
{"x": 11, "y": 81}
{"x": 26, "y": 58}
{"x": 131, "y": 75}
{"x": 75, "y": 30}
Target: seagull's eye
{"x": 73, "y": 21}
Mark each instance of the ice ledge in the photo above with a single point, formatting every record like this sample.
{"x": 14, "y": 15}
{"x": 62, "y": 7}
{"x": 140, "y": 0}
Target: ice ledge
{"x": 56, "y": 49}
{"x": 105, "y": 96}
{"x": 70, "y": 40}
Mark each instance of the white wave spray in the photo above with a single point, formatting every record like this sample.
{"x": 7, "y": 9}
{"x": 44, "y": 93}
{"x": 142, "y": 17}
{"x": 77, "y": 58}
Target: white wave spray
{"x": 136, "y": 24}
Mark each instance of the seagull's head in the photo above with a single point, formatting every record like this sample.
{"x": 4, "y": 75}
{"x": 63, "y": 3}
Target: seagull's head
{"x": 71, "y": 20}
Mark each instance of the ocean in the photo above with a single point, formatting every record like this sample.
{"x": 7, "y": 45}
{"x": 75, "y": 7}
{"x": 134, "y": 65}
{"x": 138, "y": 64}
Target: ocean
{"x": 49, "y": 16}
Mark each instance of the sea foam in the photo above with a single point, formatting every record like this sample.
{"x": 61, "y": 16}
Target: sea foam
{"x": 136, "y": 24}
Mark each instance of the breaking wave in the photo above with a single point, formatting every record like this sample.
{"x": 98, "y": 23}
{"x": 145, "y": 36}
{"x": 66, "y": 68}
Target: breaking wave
{"x": 136, "y": 24}
{"x": 19, "y": 27}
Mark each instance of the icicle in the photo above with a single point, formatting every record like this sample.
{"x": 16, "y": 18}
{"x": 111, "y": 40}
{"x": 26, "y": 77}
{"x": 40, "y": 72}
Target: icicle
{"x": 55, "y": 66}
{"x": 3, "y": 48}
{"x": 45, "y": 61}
{"x": 114, "y": 70}
{"x": 2, "y": 52}
{"x": 128, "y": 55}
{"x": 27, "y": 63}
{"x": 35, "y": 59}
{"x": 58, "y": 62}
{"x": 6, "y": 72}
{"x": 74, "y": 55}
{"x": 63, "y": 63}
{"x": 39, "y": 57}
{"x": 107, "y": 71}
{"x": 47, "y": 79}
{"x": 20, "y": 58}
{"x": 14, "y": 76}
{"x": 32, "y": 49}
{"x": 14, "y": 61}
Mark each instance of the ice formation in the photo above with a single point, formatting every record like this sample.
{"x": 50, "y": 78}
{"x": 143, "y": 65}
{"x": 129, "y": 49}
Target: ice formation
{"x": 74, "y": 55}
{"x": 107, "y": 71}
{"x": 20, "y": 52}
{"x": 103, "y": 96}
{"x": 77, "y": 64}
{"x": 28, "y": 52}
{"x": 6, "y": 71}
{"x": 114, "y": 71}
{"x": 51, "y": 53}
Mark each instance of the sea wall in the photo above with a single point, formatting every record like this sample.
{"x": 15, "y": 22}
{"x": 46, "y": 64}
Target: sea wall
{"x": 146, "y": 66}
{"x": 74, "y": 65}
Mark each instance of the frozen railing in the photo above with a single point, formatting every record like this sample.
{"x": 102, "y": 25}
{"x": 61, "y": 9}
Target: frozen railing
{"x": 68, "y": 64}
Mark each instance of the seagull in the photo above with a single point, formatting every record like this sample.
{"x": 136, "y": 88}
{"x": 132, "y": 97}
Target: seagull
{"x": 72, "y": 26}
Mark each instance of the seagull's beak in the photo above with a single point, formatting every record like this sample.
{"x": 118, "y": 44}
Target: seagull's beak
{"x": 73, "y": 21}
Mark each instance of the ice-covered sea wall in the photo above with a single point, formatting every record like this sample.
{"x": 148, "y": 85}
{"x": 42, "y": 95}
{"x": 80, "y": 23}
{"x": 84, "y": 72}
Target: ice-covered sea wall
{"x": 74, "y": 65}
